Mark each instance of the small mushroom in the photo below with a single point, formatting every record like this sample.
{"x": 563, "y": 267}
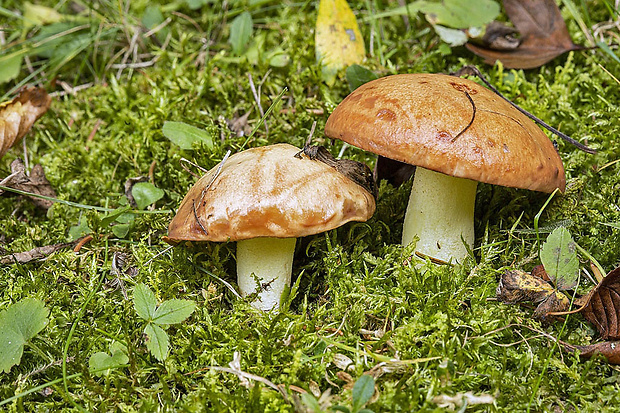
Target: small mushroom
{"x": 457, "y": 133}
{"x": 264, "y": 198}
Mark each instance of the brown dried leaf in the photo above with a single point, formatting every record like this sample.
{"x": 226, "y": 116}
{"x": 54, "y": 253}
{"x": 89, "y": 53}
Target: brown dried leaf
{"x": 539, "y": 271}
{"x": 36, "y": 183}
{"x": 608, "y": 349}
{"x": 18, "y": 116}
{"x": 36, "y": 253}
{"x": 544, "y": 35}
{"x": 517, "y": 286}
{"x": 556, "y": 302}
{"x": 603, "y": 306}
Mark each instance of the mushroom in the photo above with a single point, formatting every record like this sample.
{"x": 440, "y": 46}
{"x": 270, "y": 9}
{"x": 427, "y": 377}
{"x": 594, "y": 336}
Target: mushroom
{"x": 266, "y": 197}
{"x": 457, "y": 133}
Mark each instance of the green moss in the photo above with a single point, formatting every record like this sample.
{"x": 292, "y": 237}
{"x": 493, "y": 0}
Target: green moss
{"x": 352, "y": 280}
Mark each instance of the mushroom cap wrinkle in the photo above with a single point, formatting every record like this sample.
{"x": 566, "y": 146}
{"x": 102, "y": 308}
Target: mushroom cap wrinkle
{"x": 422, "y": 119}
{"x": 268, "y": 192}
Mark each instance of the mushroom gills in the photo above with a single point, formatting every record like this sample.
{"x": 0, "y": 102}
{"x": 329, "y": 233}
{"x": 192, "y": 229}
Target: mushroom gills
{"x": 441, "y": 214}
{"x": 265, "y": 264}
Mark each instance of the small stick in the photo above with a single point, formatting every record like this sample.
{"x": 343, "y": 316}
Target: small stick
{"x": 473, "y": 116}
{"x": 473, "y": 70}
{"x": 311, "y": 133}
{"x": 83, "y": 241}
{"x": 257, "y": 99}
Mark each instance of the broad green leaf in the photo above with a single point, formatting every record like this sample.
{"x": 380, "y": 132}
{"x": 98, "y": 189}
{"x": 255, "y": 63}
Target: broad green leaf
{"x": 460, "y": 14}
{"x": 358, "y": 75}
{"x": 559, "y": 257}
{"x": 145, "y": 194}
{"x": 338, "y": 40}
{"x": 18, "y": 324}
{"x": 111, "y": 216}
{"x": 185, "y": 135}
{"x": 173, "y": 311}
{"x": 144, "y": 301}
{"x": 152, "y": 18}
{"x": 240, "y": 32}
{"x": 80, "y": 229}
{"x": 101, "y": 360}
{"x": 363, "y": 389}
{"x": 10, "y": 67}
{"x": 157, "y": 341}
{"x": 121, "y": 230}
{"x": 11, "y": 348}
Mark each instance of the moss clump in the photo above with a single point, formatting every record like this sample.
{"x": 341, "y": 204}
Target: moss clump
{"x": 358, "y": 294}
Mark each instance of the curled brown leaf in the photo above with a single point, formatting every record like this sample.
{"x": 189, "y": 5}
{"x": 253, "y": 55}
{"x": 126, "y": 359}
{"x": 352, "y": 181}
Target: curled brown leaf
{"x": 517, "y": 286}
{"x": 602, "y": 306}
{"x": 608, "y": 349}
{"x": 35, "y": 183}
{"x": 543, "y": 32}
{"x": 18, "y": 116}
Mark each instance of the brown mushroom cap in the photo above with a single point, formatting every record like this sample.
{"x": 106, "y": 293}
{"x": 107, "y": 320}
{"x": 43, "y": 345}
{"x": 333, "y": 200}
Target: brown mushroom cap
{"x": 268, "y": 192}
{"x": 417, "y": 118}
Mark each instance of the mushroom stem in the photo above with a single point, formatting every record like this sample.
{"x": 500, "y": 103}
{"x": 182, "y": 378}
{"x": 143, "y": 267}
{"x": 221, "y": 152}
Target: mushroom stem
{"x": 441, "y": 214}
{"x": 265, "y": 264}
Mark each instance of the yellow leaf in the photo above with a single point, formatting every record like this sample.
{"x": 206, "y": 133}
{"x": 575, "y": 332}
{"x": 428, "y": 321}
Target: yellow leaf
{"x": 35, "y": 15}
{"x": 338, "y": 40}
{"x": 18, "y": 115}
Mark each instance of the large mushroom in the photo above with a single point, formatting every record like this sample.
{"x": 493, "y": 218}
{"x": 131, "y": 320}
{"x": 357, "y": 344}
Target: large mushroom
{"x": 457, "y": 133}
{"x": 266, "y": 197}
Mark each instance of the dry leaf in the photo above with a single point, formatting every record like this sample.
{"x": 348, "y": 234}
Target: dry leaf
{"x": 18, "y": 116}
{"x": 36, "y": 253}
{"x": 338, "y": 40}
{"x": 36, "y": 183}
{"x": 608, "y": 349}
{"x": 539, "y": 271}
{"x": 544, "y": 35}
{"x": 516, "y": 286}
{"x": 603, "y": 306}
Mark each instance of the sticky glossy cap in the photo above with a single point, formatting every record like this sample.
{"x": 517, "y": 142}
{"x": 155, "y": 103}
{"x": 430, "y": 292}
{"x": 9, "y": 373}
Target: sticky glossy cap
{"x": 422, "y": 119}
{"x": 268, "y": 192}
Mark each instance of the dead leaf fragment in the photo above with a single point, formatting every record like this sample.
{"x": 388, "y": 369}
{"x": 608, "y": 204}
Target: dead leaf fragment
{"x": 18, "y": 116}
{"x": 544, "y": 35}
{"x": 517, "y": 286}
{"x": 35, "y": 253}
{"x": 36, "y": 183}
{"x": 603, "y": 306}
{"x": 608, "y": 349}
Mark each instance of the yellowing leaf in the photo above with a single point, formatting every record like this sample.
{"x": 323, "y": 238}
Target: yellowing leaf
{"x": 338, "y": 40}
{"x": 35, "y": 15}
{"x": 18, "y": 116}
